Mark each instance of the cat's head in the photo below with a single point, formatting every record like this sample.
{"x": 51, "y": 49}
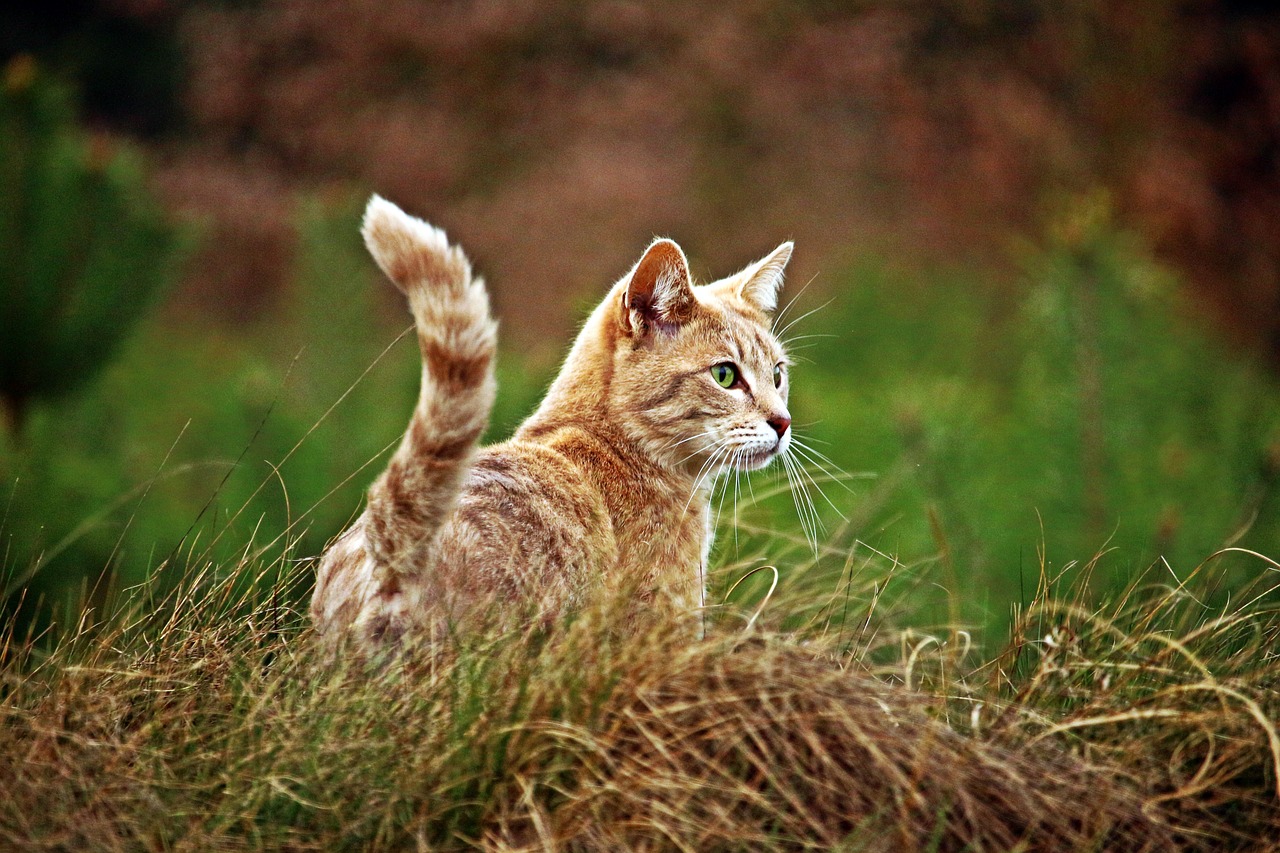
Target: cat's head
{"x": 700, "y": 377}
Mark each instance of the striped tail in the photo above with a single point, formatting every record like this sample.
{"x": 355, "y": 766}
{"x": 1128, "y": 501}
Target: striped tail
{"x": 410, "y": 501}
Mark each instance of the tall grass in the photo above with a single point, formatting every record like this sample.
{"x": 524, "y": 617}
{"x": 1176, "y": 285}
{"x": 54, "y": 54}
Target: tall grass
{"x": 203, "y": 718}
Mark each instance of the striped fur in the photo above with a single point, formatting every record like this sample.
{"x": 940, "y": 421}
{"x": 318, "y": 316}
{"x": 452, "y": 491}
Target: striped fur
{"x": 603, "y": 490}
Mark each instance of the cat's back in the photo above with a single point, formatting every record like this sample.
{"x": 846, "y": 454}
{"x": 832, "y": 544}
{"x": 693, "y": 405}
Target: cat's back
{"x": 530, "y": 525}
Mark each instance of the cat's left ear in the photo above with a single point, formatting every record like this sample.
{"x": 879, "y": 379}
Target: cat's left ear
{"x": 659, "y": 294}
{"x": 758, "y": 284}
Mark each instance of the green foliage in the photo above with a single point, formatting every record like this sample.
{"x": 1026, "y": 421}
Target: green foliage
{"x": 86, "y": 248}
{"x": 1093, "y": 415}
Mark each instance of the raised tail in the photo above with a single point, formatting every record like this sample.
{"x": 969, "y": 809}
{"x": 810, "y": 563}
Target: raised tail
{"x": 358, "y": 579}
{"x": 408, "y": 503}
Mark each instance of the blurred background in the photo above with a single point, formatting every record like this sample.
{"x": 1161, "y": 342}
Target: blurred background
{"x": 1037, "y": 277}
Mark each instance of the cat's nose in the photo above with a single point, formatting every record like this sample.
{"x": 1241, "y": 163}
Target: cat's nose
{"x": 779, "y": 424}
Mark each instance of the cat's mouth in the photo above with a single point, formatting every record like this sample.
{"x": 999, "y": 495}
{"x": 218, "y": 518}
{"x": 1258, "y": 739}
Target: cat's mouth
{"x": 757, "y": 459}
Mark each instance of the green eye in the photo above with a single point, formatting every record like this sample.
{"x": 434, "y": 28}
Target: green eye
{"x": 725, "y": 374}
{"x": 777, "y": 376}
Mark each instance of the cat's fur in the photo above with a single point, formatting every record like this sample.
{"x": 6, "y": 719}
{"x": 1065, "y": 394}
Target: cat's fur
{"x": 605, "y": 488}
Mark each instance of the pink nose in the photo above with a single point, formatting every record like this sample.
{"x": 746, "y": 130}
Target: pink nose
{"x": 779, "y": 424}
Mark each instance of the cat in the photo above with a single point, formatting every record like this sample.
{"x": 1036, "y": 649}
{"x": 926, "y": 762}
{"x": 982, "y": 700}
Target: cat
{"x": 605, "y": 488}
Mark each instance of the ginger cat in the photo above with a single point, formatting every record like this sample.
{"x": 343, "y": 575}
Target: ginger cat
{"x": 605, "y": 488}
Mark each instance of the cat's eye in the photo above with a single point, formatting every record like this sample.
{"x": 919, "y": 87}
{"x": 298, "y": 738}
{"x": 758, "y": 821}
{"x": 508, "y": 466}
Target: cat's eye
{"x": 725, "y": 374}
{"x": 777, "y": 376}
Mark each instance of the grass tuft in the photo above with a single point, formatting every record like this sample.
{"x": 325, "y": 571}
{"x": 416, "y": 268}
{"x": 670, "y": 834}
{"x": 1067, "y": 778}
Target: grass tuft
{"x": 210, "y": 721}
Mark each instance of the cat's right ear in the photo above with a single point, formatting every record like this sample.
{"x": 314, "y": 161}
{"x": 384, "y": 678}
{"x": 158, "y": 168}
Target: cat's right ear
{"x": 659, "y": 295}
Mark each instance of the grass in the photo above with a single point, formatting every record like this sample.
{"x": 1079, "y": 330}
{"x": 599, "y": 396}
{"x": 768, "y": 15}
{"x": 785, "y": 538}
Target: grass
{"x": 205, "y": 719}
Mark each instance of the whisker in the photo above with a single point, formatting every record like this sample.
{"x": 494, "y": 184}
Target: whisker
{"x": 792, "y": 301}
{"x": 751, "y": 490}
{"x": 781, "y": 333}
{"x": 695, "y": 452}
{"x": 816, "y": 524}
{"x": 778, "y": 485}
{"x": 708, "y": 469}
{"x": 822, "y": 461}
{"x": 805, "y": 455}
{"x": 805, "y": 444}
{"x": 737, "y": 499}
{"x": 671, "y": 444}
{"x": 697, "y": 485}
{"x": 796, "y": 496}
{"x": 815, "y": 482}
{"x": 791, "y": 345}
{"x": 801, "y": 476}
{"x": 792, "y": 349}
{"x": 732, "y": 459}
{"x": 804, "y": 504}
{"x": 789, "y": 341}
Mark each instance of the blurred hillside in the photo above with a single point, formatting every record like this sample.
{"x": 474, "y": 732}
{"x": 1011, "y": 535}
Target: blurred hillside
{"x": 554, "y": 138}
{"x": 1040, "y": 237}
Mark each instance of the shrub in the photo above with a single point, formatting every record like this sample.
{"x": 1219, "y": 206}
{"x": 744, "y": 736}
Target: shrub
{"x": 86, "y": 248}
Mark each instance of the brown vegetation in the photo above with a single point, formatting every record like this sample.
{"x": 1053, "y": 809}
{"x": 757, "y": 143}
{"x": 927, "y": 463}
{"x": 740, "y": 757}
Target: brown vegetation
{"x": 1145, "y": 726}
{"x": 554, "y": 138}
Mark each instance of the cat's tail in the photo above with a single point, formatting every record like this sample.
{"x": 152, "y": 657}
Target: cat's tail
{"x": 408, "y": 503}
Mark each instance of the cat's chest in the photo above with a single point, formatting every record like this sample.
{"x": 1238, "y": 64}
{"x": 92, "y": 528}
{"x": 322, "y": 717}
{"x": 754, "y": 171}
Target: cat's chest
{"x": 665, "y": 553}
{"x": 657, "y": 517}
{"x": 668, "y": 530}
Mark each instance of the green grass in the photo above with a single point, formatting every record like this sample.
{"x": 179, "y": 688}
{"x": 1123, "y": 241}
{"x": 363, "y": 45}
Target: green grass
{"x": 1086, "y": 412}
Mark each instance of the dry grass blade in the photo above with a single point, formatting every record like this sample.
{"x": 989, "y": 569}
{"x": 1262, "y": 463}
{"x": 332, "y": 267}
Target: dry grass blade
{"x": 208, "y": 723}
